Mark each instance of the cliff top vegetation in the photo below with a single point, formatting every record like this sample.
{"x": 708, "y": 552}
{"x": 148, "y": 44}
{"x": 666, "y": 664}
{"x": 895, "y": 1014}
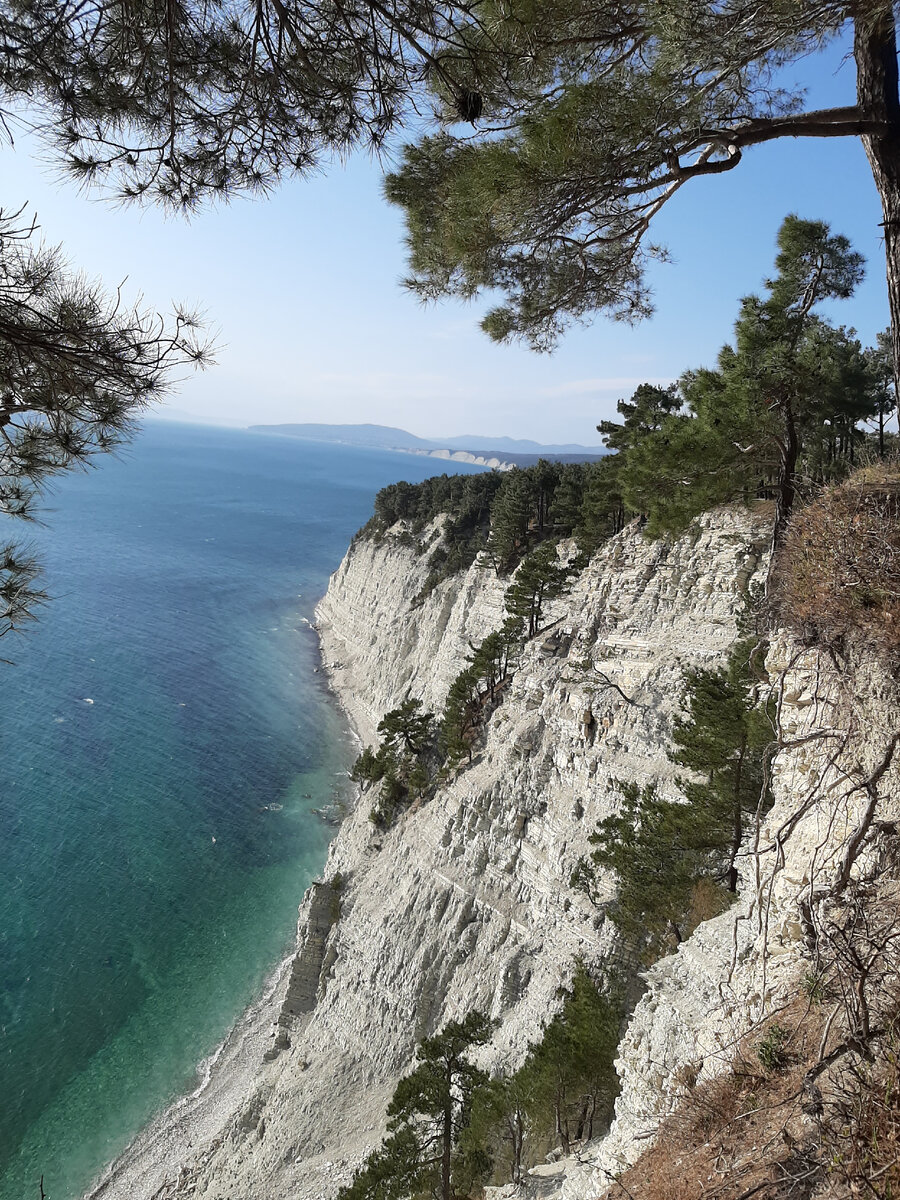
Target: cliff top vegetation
{"x": 583, "y": 121}
{"x": 794, "y": 402}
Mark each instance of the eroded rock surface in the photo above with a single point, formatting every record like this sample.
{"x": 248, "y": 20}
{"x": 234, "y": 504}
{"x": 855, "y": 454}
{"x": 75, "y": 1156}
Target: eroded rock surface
{"x": 465, "y": 903}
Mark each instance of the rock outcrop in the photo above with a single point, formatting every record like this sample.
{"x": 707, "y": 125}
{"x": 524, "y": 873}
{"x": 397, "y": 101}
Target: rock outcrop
{"x": 466, "y": 901}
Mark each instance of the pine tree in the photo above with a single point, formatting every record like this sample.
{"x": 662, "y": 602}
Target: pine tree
{"x": 369, "y": 767}
{"x": 544, "y": 477}
{"x": 430, "y": 1109}
{"x": 511, "y": 515}
{"x": 408, "y": 725}
{"x": 77, "y": 368}
{"x": 570, "y": 1074}
{"x": 724, "y": 739}
{"x": 656, "y": 849}
{"x": 493, "y": 659}
{"x": 461, "y": 715}
{"x": 539, "y": 580}
{"x": 603, "y": 507}
{"x": 568, "y": 497}
{"x": 659, "y": 849}
{"x": 881, "y": 371}
{"x": 643, "y": 414}
{"x": 607, "y": 115}
{"x": 774, "y": 402}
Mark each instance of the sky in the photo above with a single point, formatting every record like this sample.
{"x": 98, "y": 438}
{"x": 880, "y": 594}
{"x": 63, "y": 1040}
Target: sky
{"x": 304, "y": 291}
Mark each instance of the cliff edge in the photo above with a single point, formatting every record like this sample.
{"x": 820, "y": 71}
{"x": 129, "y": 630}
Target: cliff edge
{"x": 465, "y": 902}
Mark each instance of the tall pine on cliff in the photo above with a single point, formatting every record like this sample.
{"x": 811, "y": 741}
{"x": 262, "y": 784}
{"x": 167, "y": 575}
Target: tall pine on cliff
{"x": 781, "y": 393}
{"x": 662, "y": 851}
{"x": 430, "y": 1109}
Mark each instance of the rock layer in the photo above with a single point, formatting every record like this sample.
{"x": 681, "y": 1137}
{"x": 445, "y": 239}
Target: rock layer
{"x": 465, "y": 903}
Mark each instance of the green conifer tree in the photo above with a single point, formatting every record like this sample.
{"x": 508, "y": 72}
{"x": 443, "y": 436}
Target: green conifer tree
{"x": 430, "y": 1109}
{"x": 602, "y": 508}
{"x": 563, "y": 1093}
{"x": 540, "y": 579}
{"x": 661, "y": 849}
{"x": 511, "y": 515}
{"x": 408, "y": 725}
{"x": 724, "y": 740}
{"x": 643, "y": 414}
{"x": 784, "y": 389}
{"x": 544, "y": 478}
{"x": 461, "y": 714}
{"x": 568, "y": 497}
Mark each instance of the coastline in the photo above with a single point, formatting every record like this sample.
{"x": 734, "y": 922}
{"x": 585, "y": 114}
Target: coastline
{"x": 158, "y": 1157}
{"x": 167, "y": 1153}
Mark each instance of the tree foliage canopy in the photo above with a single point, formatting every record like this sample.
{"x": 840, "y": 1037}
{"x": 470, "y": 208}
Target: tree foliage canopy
{"x": 540, "y": 579}
{"x": 77, "y": 366}
{"x": 403, "y": 763}
{"x": 785, "y": 400}
{"x": 588, "y": 116}
{"x": 595, "y": 116}
{"x": 583, "y": 120}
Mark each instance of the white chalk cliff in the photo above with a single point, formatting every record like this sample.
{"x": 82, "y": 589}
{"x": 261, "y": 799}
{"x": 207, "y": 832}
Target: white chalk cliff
{"x": 466, "y": 902}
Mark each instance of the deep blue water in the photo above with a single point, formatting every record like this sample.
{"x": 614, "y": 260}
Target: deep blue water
{"x": 146, "y": 890}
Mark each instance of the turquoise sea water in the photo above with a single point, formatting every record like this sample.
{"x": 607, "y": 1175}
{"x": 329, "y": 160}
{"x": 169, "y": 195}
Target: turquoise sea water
{"x": 146, "y": 886}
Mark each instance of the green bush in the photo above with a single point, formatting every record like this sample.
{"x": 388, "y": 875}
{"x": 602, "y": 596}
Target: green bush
{"x": 771, "y": 1050}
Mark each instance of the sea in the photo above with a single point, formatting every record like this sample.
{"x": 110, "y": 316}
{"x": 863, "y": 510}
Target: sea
{"x": 167, "y": 750}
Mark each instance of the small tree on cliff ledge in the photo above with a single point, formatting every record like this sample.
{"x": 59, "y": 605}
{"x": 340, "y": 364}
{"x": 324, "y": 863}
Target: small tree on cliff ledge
{"x": 430, "y": 1109}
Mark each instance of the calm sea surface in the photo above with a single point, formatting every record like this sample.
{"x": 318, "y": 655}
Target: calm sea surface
{"x": 164, "y": 740}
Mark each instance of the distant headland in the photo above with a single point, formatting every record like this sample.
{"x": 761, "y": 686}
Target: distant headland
{"x": 500, "y": 453}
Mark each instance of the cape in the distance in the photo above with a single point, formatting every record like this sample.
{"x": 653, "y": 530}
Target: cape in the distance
{"x": 498, "y": 452}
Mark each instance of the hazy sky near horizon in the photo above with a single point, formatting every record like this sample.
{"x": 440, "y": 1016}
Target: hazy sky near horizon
{"x": 304, "y": 289}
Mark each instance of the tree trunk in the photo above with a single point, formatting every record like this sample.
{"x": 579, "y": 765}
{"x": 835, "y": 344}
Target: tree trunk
{"x": 447, "y": 1140}
{"x": 562, "y": 1120}
{"x": 737, "y": 832}
{"x": 787, "y": 471}
{"x": 878, "y": 96}
{"x": 518, "y": 1141}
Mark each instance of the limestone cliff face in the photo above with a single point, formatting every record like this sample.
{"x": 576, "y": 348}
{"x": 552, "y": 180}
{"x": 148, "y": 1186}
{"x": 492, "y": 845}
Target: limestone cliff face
{"x": 465, "y": 903}
{"x": 836, "y": 724}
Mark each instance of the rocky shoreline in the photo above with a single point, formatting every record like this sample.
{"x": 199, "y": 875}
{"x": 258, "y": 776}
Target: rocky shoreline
{"x": 466, "y": 902}
{"x": 158, "y": 1159}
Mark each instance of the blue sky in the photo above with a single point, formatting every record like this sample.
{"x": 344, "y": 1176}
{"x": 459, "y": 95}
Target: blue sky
{"x": 314, "y": 326}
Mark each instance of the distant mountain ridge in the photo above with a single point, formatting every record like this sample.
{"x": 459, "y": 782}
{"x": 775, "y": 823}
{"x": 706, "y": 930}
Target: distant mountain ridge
{"x": 515, "y": 445}
{"x": 496, "y": 452}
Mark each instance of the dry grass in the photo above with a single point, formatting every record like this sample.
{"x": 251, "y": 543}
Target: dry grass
{"x": 838, "y": 574}
{"x": 861, "y": 1144}
{"x": 742, "y": 1134}
{"x": 708, "y": 899}
{"x": 810, "y": 1109}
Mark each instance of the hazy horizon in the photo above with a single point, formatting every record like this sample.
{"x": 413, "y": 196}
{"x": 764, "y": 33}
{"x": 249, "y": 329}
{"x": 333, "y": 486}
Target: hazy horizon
{"x": 314, "y": 325}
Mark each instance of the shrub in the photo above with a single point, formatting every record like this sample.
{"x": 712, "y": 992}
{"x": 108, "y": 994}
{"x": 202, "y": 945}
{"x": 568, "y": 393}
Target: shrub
{"x": 838, "y": 574}
{"x": 771, "y": 1050}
